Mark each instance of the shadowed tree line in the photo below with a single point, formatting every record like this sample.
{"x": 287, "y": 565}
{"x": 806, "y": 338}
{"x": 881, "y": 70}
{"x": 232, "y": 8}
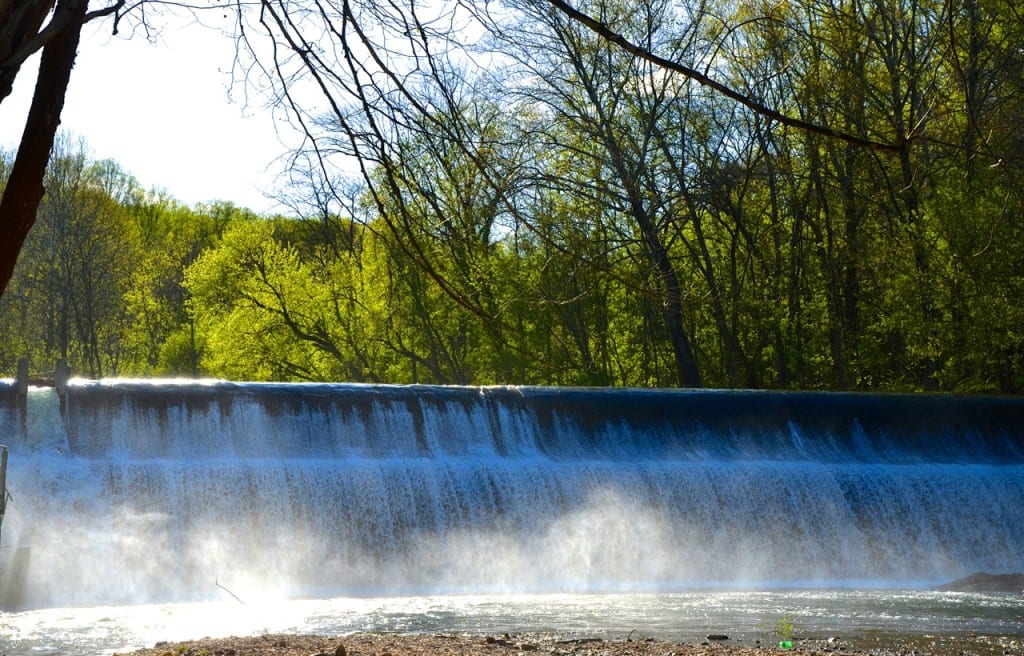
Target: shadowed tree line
{"x": 822, "y": 194}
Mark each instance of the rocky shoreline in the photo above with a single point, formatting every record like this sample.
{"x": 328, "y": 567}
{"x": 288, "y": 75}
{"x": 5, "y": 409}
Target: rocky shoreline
{"x": 868, "y": 643}
{"x": 393, "y": 644}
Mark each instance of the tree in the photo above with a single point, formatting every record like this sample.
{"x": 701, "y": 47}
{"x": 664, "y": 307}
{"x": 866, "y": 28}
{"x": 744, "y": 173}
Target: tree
{"x": 605, "y": 31}
{"x": 264, "y": 313}
{"x": 66, "y": 299}
{"x": 21, "y": 35}
{"x": 610, "y": 108}
{"x": 160, "y": 333}
{"x": 812, "y": 194}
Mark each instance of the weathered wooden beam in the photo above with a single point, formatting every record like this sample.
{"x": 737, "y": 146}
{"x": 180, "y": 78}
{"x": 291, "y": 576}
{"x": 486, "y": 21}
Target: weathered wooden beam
{"x": 61, "y": 373}
{"x": 3, "y": 483}
{"x": 21, "y": 387}
{"x": 21, "y": 380}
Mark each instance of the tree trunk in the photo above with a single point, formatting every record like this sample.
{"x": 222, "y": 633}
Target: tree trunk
{"x": 688, "y": 375}
{"x": 25, "y": 185}
{"x": 20, "y": 21}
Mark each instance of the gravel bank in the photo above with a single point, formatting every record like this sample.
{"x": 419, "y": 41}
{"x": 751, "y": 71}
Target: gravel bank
{"x": 376, "y": 644}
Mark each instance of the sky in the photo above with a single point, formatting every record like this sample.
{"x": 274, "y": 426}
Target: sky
{"x": 163, "y": 111}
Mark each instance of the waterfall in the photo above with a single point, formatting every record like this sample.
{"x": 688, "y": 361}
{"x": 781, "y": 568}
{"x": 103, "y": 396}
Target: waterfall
{"x": 135, "y": 491}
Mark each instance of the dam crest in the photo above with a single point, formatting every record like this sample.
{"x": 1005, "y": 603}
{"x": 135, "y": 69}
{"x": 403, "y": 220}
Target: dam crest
{"x": 131, "y": 491}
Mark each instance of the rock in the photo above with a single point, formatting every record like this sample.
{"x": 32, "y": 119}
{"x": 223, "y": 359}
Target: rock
{"x": 340, "y": 650}
{"x": 716, "y": 637}
{"x": 501, "y": 642}
{"x": 579, "y": 641}
{"x": 985, "y": 582}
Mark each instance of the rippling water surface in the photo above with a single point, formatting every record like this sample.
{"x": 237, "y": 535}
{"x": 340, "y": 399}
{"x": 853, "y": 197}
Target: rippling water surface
{"x": 746, "y": 616}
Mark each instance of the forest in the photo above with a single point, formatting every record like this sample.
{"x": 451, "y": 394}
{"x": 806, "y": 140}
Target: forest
{"x": 538, "y": 205}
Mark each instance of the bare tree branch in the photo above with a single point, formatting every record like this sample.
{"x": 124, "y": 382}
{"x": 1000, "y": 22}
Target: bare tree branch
{"x": 25, "y": 186}
{"x": 608, "y": 34}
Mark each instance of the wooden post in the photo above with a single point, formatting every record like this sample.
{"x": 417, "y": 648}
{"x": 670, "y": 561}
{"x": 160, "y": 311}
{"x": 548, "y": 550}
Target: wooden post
{"x": 3, "y": 483}
{"x": 61, "y": 373}
{"x": 21, "y": 385}
{"x": 21, "y": 382}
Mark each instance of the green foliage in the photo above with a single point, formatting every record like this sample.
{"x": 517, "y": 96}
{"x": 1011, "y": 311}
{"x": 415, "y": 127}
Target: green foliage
{"x": 566, "y": 223}
{"x": 785, "y": 627}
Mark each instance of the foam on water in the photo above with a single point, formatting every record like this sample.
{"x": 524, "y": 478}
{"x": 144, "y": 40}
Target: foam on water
{"x": 745, "y": 616}
{"x": 139, "y": 493}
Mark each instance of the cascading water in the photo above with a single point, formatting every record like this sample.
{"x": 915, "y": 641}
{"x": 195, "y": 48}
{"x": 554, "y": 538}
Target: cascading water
{"x": 154, "y": 492}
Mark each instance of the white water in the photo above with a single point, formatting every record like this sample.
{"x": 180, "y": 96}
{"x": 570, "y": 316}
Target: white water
{"x": 452, "y": 510}
{"x": 744, "y": 616}
{"x": 128, "y": 531}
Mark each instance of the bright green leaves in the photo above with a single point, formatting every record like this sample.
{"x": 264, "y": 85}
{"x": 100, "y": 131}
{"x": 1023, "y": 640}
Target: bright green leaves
{"x": 259, "y": 312}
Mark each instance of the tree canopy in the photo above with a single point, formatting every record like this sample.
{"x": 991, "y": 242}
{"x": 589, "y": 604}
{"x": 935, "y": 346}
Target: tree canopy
{"x": 819, "y": 194}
